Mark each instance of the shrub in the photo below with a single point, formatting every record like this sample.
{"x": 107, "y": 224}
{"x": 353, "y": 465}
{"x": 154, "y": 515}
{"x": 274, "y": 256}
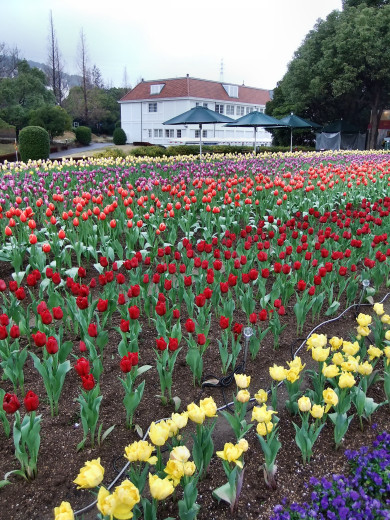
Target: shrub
{"x": 119, "y": 136}
{"x": 149, "y": 151}
{"x": 34, "y": 143}
{"x": 83, "y": 135}
{"x": 110, "y": 152}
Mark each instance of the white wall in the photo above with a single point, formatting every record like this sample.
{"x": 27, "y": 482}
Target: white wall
{"x": 137, "y": 125}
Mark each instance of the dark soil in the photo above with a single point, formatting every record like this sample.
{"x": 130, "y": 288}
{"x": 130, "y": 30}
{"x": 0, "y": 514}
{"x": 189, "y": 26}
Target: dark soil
{"x": 59, "y": 462}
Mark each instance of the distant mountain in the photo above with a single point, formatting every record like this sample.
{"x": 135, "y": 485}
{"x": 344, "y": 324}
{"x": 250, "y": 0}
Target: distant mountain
{"x": 70, "y": 80}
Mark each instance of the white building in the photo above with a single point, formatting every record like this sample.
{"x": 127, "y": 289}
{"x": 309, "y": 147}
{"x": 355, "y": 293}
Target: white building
{"x": 150, "y": 103}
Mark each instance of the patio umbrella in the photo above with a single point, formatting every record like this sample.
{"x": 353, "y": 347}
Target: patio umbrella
{"x": 294, "y": 121}
{"x": 256, "y": 119}
{"x": 200, "y": 116}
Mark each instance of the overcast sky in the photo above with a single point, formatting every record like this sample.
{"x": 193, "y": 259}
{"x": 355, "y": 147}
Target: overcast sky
{"x": 156, "y": 39}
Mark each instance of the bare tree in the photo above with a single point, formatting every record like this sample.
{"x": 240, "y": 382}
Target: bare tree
{"x": 84, "y": 71}
{"x": 9, "y": 59}
{"x": 55, "y": 74}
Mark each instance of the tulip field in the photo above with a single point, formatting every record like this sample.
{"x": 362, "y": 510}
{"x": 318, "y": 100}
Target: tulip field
{"x": 140, "y": 296}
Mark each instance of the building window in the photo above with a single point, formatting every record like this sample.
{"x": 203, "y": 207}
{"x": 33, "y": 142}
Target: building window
{"x": 197, "y": 133}
{"x": 205, "y": 105}
{"x": 232, "y": 90}
{"x": 149, "y": 134}
{"x": 178, "y": 133}
{"x": 158, "y": 132}
{"x": 230, "y": 110}
{"x": 199, "y": 104}
{"x": 240, "y": 111}
{"x": 152, "y": 107}
{"x": 169, "y": 133}
{"x": 248, "y": 109}
{"x": 219, "y": 109}
{"x": 156, "y": 89}
{"x": 262, "y": 110}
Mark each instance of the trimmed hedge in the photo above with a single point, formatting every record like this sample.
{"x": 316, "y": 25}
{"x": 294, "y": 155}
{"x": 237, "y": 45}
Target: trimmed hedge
{"x": 157, "y": 151}
{"x": 119, "y": 136}
{"x": 34, "y": 143}
{"x": 83, "y": 135}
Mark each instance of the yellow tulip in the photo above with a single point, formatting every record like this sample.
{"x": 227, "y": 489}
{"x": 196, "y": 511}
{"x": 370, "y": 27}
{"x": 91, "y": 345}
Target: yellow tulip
{"x": 387, "y": 335}
{"x": 261, "y": 396}
{"x": 63, "y": 512}
{"x": 140, "y": 451}
{"x": 316, "y": 341}
{"x": 378, "y": 308}
{"x": 160, "y": 488}
{"x": 90, "y": 475}
{"x": 243, "y": 444}
{"x": 261, "y": 414}
{"x": 351, "y": 364}
{"x": 209, "y": 407}
{"x": 317, "y": 411}
{"x": 374, "y": 352}
{"x": 264, "y": 428}
{"x": 243, "y": 396}
{"x": 195, "y": 413}
{"x": 386, "y": 319}
{"x": 180, "y": 419}
{"x": 296, "y": 364}
{"x": 292, "y": 375}
{"x": 330, "y": 397}
{"x": 338, "y": 358}
{"x": 159, "y": 433}
{"x": 335, "y": 342}
{"x": 304, "y": 404}
{"x": 278, "y": 373}
{"x": 173, "y": 428}
{"x": 242, "y": 381}
{"x": 386, "y": 350}
{"x": 319, "y": 353}
{"x": 180, "y": 453}
{"x": 106, "y": 502}
{"x": 330, "y": 370}
{"x": 363, "y": 331}
{"x": 231, "y": 453}
{"x": 350, "y": 348}
{"x": 346, "y": 380}
{"x": 364, "y": 320}
{"x": 174, "y": 470}
{"x": 126, "y": 496}
{"x": 365, "y": 369}
{"x": 189, "y": 468}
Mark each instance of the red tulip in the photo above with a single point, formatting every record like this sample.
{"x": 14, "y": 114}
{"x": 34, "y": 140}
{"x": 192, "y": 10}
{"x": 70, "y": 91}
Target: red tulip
{"x": 102, "y": 305}
{"x": 10, "y": 403}
{"x": 88, "y": 382}
{"x": 82, "y": 367}
{"x": 189, "y": 326}
{"x": 39, "y": 338}
{"x": 31, "y": 401}
{"x": 224, "y": 322}
{"x": 173, "y": 344}
{"x": 52, "y": 345}
{"x": 161, "y": 343}
{"x": 92, "y": 330}
{"x": 201, "y": 339}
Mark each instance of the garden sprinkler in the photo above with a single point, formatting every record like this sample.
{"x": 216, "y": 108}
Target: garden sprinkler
{"x": 248, "y": 332}
{"x": 366, "y": 285}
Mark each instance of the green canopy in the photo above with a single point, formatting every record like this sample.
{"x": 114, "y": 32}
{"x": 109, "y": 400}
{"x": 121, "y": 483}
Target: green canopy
{"x": 294, "y": 121}
{"x": 200, "y": 116}
{"x": 256, "y": 119}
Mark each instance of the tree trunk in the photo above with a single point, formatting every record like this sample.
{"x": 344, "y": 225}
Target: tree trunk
{"x": 376, "y": 112}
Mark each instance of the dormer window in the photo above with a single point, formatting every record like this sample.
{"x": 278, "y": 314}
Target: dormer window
{"x": 232, "y": 90}
{"x": 156, "y": 89}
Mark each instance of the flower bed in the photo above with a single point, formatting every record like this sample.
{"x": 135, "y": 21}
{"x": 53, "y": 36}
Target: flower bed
{"x": 125, "y": 283}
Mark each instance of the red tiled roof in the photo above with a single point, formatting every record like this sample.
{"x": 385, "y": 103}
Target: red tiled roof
{"x": 197, "y": 88}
